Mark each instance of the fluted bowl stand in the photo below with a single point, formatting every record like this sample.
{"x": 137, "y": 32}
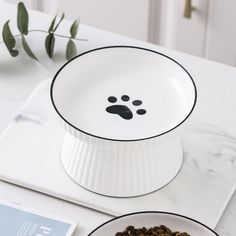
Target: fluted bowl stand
{"x": 121, "y": 169}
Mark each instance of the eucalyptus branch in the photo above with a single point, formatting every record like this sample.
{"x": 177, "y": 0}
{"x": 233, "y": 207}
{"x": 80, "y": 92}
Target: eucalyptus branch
{"x": 58, "y": 35}
{"x": 22, "y": 25}
{"x": 44, "y": 31}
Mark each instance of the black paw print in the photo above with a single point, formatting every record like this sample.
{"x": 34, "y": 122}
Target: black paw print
{"x": 123, "y": 110}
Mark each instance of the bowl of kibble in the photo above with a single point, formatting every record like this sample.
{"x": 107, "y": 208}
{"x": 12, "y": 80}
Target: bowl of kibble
{"x": 152, "y": 223}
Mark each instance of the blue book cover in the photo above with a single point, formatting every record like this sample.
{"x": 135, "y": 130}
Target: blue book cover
{"x": 16, "y": 220}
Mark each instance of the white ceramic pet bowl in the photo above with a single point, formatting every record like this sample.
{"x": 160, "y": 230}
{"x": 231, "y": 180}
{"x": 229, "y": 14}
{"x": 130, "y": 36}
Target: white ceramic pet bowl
{"x": 122, "y": 108}
{"x": 153, "y": 218}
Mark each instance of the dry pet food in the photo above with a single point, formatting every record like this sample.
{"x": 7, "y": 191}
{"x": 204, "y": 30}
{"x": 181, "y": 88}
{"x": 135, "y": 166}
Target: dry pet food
{"x": 161, "y": 230}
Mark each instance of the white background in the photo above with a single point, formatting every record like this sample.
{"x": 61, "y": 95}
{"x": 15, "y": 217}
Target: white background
{"x": 209, "y": 33}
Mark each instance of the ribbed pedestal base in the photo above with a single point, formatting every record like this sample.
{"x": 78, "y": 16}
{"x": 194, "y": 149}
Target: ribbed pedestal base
{"x": 125, "y": 171}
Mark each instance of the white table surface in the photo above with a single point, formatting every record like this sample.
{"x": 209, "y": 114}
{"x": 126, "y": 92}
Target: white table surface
{"x": 19, "y": 76}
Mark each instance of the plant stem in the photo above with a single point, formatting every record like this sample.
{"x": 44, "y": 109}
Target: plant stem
{"x": 46, "y": 32}
{"x": 58, "y": 35}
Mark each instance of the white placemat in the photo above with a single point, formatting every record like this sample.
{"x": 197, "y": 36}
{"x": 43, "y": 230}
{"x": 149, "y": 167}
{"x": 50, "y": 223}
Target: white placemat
{"x": 30, "y": 157}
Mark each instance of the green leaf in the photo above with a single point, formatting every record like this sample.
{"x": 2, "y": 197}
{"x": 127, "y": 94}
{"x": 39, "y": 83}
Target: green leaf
{"x": 50, "y": 29}
{"x": 71, "y": 50}
{"x": 22, "y": 18}
{"x": 49, "y": 44}
{"x": 74, "y": 29}
{"x": 62, "y": 17}
{"x": 27, "y": 48}
{"x": 9, "y": 40}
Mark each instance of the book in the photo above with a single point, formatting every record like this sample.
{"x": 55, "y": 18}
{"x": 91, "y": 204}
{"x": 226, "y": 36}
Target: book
{"x": 17, "y": 220}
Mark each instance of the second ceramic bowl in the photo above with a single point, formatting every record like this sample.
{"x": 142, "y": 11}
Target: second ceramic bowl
{"x": 150, "y": 219}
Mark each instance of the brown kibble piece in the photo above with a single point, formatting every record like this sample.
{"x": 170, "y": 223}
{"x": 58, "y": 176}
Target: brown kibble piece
{"x": 130, "y": 227}
{"x": 119, "y": 234}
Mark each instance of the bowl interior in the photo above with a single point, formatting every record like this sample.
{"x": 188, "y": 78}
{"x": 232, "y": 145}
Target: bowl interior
{"x": 123, "y": 93}
{"x": 150, "y": 219}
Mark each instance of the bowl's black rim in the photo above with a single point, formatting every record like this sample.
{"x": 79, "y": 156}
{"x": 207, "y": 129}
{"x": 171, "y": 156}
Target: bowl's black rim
{"x": 155, "y": 212}
{"x": 120, "y": 140}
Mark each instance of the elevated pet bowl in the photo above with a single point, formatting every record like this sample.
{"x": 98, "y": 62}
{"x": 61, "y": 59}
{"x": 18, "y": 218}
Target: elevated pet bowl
{"x": 122, "y": 108}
